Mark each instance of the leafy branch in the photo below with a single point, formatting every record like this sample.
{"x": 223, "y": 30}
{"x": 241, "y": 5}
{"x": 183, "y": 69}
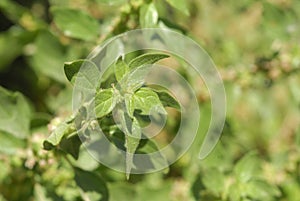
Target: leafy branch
{"x": 128, "y": 99}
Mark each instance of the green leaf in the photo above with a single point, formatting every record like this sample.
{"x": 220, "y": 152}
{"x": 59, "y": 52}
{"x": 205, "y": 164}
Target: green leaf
{"x": 92, "y": 185}
{"x": 15, "y": 113}
{"x": 261, "y": 190}
{"x": 236, "y": 191}
{"x": 144, "y": 120}
{"x": 148, "y": 16}
{"x": 71, "y": 145}
{"x": 56, "y": 136}
{"x": 140, "y": 66}
{"x": 76, "y": 23}
{"x": 121, "y": 69}
{"x": 84, "y": 74}
{"x": 132, "y": 142}
{"x": 181, "y": 5}
{"x": 145, "y": 59}
{"x": 49, "y": 56}
{"x": 10, "y": 144}
{"x": 146, "y": 100}
{"x": 247, "y": 167}
{"x": 135, "y": 79}
{"x": 108, "y": 78}
{"x": 73, "y": 68}
{"x": 167, "y": 99}
{"x": 104, "y": 102}
{"x": 213, "y": 180}
{"x": 129, "y": 102}
{"x": 122, "y": 118}
{"x": 85, "y": 160}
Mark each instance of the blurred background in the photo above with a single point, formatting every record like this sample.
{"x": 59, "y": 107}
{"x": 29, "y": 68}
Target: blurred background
{"x": 256, "y": 48}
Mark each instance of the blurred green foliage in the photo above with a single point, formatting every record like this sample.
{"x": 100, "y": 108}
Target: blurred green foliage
{"x": 256, "y": 47}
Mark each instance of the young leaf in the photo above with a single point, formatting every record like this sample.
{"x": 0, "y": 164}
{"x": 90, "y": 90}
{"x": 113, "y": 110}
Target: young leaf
{"x": 148, "y": 16}
{"x": 140, "y": 68}
{"x": 122, "y": 118}
{"x": 129, "y": 103}
{"x": 167, "y": 99}
{"x": 56, "y": 136}
{"x": 132, "y": 143}
{"x": 121, "y": 69}
{"x": 181, "y": 5}
{"x": 145, "y": 59}
{"x": 135, "y": 79}
{"x": 76, "y": 23}
{"x": 15, "y": 113}
{"x": 146, "y": 100}
{"x": 104, "y": 102}
{"x": 92, "y": 185}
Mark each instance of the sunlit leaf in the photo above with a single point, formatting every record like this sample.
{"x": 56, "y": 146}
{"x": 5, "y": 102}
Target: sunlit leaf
{"x": 121, "y": 69}
{"x": 129, "y": 102}
{"x": 144, "y": 59}
{"x": 135, "y": 79}
{"x": 56, "y": 136}
{"x": 167, "y": 99}
{"x": 75, "y": 23}
{"x": 104, "y": 102}
{"x": 147, "y": 101}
